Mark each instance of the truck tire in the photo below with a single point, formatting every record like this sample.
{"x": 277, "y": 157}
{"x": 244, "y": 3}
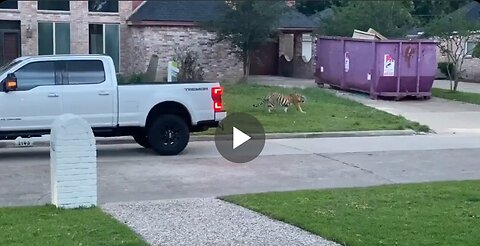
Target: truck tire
{"x": 142, "y": 140}
{"x": 168, "y": 135}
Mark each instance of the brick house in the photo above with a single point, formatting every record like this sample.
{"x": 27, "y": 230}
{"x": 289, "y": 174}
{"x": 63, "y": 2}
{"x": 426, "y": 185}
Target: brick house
{"x": 64, "y": 27}
{"x": 129, "y": 31}
{"x": 157, "y": 26}
{"x": 471, "y": 64}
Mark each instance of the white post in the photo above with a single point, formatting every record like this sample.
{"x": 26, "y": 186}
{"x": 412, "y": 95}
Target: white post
{"x": 73, "y": 163}
{"x": 172, "y": 71}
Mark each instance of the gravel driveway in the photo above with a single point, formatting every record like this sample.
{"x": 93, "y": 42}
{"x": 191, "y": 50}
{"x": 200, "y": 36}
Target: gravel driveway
{"x": 207, "y": 221}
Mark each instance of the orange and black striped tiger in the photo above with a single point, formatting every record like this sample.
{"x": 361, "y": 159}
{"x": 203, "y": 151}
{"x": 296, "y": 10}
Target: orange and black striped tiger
{"x": 276, "y": 99}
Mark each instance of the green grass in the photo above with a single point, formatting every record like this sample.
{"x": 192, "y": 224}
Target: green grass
{"x": 326, "y": 112}
{"x": 444, "y": 213}
{"x": 47, "y": 225}
{"x": 468, "y": 97}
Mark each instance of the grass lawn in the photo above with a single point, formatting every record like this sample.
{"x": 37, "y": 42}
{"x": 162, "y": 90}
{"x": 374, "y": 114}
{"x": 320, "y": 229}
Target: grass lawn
{"x": 325, "y": 112}
{"x": 444, "y": 213}
{"x": 47, "y": 225}
{"x": 467, "y": 97}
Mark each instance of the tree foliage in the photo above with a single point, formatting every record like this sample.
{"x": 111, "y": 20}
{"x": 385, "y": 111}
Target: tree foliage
{"x": 190, "y": 68}
{"x": 390, "y": 18}
{"x": 452, "y": 33}
{"x": 248, "y": 25}
{"x": 310, "y": 7}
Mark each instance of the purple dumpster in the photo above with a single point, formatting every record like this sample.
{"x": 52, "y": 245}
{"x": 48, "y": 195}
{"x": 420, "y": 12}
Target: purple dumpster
{"x": 389, "y": 68}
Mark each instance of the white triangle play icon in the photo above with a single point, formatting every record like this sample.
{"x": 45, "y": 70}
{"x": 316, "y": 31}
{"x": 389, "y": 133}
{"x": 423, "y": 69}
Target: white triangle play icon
{"x": 239, "y": 137}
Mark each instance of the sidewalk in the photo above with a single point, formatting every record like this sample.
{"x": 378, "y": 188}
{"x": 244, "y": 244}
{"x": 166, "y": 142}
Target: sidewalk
{"x": 441, "y": 115}
{"x": 462, "y": 86}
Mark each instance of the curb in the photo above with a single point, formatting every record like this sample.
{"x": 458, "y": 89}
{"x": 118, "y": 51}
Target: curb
{"x": 44, "y": 142}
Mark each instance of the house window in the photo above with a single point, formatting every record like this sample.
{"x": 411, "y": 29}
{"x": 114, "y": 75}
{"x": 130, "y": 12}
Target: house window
{"x": 103, "y": 6}
{"x": 53, "y": 38}
{"x": 469, "y": 48}
{"x": 62, "y": 5}
{"x": 105, "y": 39}
{"x": 9, "y": 4}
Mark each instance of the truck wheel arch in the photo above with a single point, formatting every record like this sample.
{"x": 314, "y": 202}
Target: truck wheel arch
{"x": 169, "y": 107}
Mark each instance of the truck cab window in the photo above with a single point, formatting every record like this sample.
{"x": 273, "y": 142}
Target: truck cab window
{"x": 35, "y": 74}
{"x": 85, "y": 72}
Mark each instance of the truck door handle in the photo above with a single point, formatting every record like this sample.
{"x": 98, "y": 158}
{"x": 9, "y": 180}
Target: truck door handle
{"x": 52, "y": 94}
{"x": 103, "y": 93}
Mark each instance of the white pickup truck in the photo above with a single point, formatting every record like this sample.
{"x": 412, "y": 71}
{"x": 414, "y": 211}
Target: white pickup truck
{"x": 36, "y": 89}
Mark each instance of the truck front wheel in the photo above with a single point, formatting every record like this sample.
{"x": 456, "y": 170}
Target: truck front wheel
{"x": 168, "y": 135}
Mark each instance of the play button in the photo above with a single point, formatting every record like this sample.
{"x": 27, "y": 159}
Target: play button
{"x": 240, "y": 138}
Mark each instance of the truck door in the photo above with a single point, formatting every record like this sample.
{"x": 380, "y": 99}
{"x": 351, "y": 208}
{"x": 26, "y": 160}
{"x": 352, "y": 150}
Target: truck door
{"x": 89, "y": 92}
{"x": 36, "y": 102}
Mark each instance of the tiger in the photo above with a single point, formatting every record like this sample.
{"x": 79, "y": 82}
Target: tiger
{"x": 278, "y": 99}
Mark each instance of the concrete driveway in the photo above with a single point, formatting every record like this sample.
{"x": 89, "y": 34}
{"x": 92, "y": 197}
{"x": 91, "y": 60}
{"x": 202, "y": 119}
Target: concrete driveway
{"x": 129, "y": 173}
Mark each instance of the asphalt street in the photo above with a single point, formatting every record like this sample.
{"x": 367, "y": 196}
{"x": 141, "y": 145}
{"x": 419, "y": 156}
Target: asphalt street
{"x": 126, "y": 172}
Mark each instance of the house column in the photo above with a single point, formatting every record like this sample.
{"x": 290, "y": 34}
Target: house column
{"x": 126, "y": 47}
{"x": 79, "y": 41}
{"x": 297, "y": 44}
{"x": 29, "y": 27}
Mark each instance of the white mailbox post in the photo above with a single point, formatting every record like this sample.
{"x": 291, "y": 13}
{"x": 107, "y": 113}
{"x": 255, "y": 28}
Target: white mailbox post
{"x": 73, "y": 163}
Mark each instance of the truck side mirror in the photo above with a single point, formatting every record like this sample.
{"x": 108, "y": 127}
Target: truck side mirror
{"x": 10, "y": 83}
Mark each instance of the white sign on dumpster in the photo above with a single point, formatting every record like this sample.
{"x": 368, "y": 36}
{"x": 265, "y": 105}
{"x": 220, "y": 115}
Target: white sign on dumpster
{"x": 347, "y": 62}
{"x": 388, "y": 65}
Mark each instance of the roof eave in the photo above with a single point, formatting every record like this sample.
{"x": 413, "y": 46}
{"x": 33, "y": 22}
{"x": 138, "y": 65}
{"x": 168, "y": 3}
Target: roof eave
{"x": 304, "y": 29}
{"x": 162, "y": 23}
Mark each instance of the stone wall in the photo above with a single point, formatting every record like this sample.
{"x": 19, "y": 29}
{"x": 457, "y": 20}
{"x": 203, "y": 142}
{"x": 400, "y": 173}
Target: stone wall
{"x": 144, "y": 41}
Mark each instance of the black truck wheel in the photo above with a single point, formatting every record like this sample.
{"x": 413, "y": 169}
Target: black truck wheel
{"x": 142, "y": 140}
{"x": 168, "y": 135}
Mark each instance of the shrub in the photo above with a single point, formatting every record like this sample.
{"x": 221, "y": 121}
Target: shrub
{"x": 447, "y": 68}
{"x": 190, "y": 68}
{"x": 476, "y": 51}
{"x": 134, "y": 78}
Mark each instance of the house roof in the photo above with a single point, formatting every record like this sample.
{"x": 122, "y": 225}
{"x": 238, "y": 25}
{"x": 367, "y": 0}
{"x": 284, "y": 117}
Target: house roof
{"x": 415, "y": 31}
{"x": 473, "y": 11}
{"x": 320, "y": 16}
{"x": 194, "y": 11}
{"x": 470, "y": 10}
{"x": 294, "y": 19}
{"x": 183, "y": 11}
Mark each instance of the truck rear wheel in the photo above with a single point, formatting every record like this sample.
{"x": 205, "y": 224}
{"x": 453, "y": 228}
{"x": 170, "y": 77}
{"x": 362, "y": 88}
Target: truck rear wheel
{"x": 142, "y": 140}
{"x": 168, "y": 135}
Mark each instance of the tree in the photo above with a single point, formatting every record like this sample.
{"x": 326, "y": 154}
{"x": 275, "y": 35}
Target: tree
{"x": 248, "y": 25}
{"x": 452, "y": 33}
{"x": 390, "y": 18}
{"x": 310, "y": 7}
